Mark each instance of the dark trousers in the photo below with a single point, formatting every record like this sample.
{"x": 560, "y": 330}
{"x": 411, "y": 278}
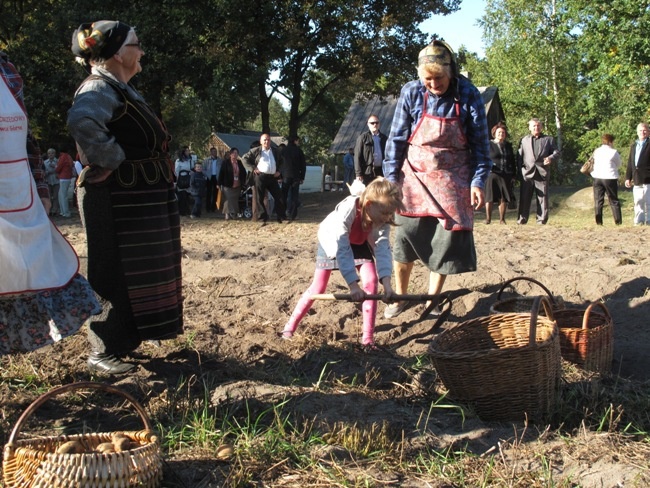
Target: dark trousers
{"x": 609, "y": 188}
{"x": 264, "y": 182}
{"x": 183, "y": 202}
{"x": 211, "y": 192}
{"x": 376, "y": 171}
{"x": 540, "y": 189}
{"x": 290, "y": 192}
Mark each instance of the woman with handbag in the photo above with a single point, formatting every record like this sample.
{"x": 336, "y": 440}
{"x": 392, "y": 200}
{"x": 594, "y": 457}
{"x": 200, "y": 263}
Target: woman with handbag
{"x": 231, "y": 177}
{"x": 607, "y": 161}
{"x": 498, "y": 188}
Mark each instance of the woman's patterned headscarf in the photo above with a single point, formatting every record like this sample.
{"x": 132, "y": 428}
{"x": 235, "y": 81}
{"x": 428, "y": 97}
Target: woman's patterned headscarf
{"x": 438, "y": 52}
{"x": 99, "y": 40}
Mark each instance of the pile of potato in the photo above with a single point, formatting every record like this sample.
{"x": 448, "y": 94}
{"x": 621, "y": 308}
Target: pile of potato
{"x": 119, "y": 442}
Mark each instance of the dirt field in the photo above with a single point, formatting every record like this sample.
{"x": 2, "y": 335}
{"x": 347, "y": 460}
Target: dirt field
{"x": 242, "y": 281}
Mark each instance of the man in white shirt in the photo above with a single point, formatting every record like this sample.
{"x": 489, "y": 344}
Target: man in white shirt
{"x": 264, "y": 161}
{"x": 211, "y": 169}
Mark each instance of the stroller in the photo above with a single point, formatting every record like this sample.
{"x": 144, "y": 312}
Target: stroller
{"x": 246, "y": 202}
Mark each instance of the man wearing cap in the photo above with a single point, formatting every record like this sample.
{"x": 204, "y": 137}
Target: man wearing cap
{"x": 369, "y": 152}
{"x": 438, "y": 152}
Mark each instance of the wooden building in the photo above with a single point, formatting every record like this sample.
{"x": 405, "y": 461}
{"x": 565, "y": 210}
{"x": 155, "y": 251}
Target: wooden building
{"x": 357, "y": 117}
{"x": 242, "y": 140}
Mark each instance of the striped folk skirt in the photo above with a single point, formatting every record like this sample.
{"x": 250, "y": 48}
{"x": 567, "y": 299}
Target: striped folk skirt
{"x": 134, "y": 263}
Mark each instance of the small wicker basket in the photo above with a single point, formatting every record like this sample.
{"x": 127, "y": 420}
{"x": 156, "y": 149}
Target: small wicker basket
{"x": 507, "y": 366}
{"x": 32, "y": 463}
{"x": 522, "y": 304}
{"x": 587, "y": 337}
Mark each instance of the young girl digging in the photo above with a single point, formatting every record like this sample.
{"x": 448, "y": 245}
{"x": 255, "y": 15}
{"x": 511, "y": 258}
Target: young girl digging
{"x": 355, "y": 238}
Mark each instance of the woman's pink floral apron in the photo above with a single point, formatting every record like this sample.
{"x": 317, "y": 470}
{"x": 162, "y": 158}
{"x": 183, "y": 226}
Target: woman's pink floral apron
{"x": 436, "y": 174}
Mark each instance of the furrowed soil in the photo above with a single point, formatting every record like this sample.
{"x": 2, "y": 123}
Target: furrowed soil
{"x": 241, "y": 282}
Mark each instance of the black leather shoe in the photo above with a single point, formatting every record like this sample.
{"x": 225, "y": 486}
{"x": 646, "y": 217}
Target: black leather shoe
{"x": 108, "y": 363}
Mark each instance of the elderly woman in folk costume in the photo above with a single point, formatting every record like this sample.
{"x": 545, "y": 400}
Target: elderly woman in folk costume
{"x": 438, "y": 152}
{"x": 42, "y": 297}
{"x": 127, "y": 201}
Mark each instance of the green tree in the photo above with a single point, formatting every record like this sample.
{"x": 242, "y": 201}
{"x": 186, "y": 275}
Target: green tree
{"x": 616, "y": 67}
{"x": 36, "y": 36}
{"x": 319, "y": 127}
{"x": 288, "y": 39}
{"x": 217, "y": 57}
{"x": 476, "y": 67}
{"x": 532, "y": 57}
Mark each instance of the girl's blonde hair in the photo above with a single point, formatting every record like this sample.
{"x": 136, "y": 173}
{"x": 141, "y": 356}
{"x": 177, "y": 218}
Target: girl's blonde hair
{"x": 382, "y": 191}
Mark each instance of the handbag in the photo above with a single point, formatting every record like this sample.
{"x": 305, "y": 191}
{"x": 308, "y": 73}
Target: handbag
{"x": 588, "y": 167}
{"x": 219, "y": 198}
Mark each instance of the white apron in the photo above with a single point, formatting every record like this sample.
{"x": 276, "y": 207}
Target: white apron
{"x": 34, "y": 255}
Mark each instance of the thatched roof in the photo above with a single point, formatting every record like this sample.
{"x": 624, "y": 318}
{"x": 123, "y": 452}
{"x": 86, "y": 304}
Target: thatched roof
{"x": 357, "y": 117}
{"x": 384, "y": 108}
{"x": 242, "y": 140}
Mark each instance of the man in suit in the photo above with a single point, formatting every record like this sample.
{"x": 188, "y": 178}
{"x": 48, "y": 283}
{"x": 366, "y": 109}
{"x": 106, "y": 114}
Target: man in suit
{"x": 637, "y": 175}
{"x": 536, "y": 153}
{"x": 265, "y": 163}
{"x": 369, "y": 152}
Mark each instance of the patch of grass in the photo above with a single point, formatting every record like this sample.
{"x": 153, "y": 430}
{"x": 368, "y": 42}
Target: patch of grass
{"x": 605, "y": 403}
{"x": 566, "y": 214}
{"x": 365, "y": 441}
{"x": 275, "y": 446}
{"x": 20, "y": 373}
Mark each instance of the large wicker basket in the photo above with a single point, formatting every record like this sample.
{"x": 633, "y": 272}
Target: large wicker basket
{"x": 32, "y": 463}
{"x": 587, "y": 337}
{"x": 522, "y": 304}
{"x": 507, "y": 366}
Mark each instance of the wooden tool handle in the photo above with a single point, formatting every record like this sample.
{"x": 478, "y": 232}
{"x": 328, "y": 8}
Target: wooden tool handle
{"x": 397, "y": 298}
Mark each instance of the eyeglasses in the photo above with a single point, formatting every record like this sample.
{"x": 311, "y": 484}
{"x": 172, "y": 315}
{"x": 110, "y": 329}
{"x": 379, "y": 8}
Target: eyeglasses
{"x": 373, "y": 122}
{"x": 135, "y": 44}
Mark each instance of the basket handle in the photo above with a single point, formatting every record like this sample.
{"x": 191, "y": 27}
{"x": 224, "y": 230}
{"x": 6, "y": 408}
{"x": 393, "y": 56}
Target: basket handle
{"x": 517, "y": 278}
{"x": 585, "y": 319}
{"x": 76, "y": 386}
{"x": 538, "y": 302}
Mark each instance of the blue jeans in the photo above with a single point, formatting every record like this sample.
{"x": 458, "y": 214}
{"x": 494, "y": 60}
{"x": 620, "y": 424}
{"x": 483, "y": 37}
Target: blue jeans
{"x": 348, "y": 174}
{"x": 63, "y": 197}
{"x": 196, "y": 210}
